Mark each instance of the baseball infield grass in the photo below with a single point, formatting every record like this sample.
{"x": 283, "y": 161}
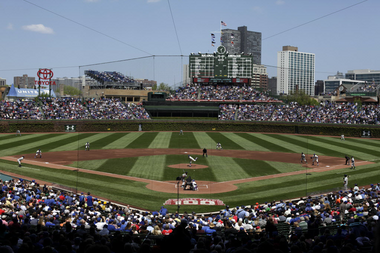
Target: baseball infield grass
{"x": 219, "y": 168}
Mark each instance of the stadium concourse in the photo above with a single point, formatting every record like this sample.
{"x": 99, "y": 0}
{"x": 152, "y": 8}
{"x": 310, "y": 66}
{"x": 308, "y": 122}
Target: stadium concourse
{"x": 38, "y": 218}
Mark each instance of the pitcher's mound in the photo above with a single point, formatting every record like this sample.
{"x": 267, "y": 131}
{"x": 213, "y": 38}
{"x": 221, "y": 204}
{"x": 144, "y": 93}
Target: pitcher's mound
{"x": 186, "y": 166}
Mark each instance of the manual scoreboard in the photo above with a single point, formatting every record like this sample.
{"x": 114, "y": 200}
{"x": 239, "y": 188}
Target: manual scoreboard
{"x": 220, "y": 66}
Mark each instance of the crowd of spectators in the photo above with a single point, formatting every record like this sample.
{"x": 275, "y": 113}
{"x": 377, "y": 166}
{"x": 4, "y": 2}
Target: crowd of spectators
{"x": 108, "y": 76}
{"x": 19, "y": 109}
{"x": 64, "y": 108}
{"x": 38, "y": 218}
{"x": 138, "y": 111}
{"x": 219, "y": 92}
{"x": 71, "y": 109}
{"x": 108, "y": 109}
{"x": 337, "y": 113}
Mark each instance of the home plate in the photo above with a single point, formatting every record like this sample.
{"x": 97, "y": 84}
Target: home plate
{"x": 185, "y": 152}
{"x": 46, "y": 163}
{"x": 327, "y": 166}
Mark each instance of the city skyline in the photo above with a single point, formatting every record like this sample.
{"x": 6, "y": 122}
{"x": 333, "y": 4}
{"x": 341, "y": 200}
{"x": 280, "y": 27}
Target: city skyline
{"x": 50, "y": 34}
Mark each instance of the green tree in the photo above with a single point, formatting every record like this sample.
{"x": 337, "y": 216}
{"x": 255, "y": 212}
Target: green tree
{"x": 300, "y": 97}
{"x": 164, "y": 86}
{"x": 72, "y": 91}
{"x": 154, "y": 87}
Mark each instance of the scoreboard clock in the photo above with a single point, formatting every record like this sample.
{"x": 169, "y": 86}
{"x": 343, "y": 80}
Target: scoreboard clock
{"x": 220, "y": 65}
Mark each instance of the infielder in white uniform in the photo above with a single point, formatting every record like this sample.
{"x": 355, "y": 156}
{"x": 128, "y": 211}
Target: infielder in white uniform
{"x": 315, "y": 159}
{"x": 87, "y": 146}
{"x": 353, "y": 163}
{"x": 38, "y": 153}
{"x": 19, "y": 161}
{"x": 303, "y": 158}
{"x": 219, "y": 146}
{"x": 192, "y": 160}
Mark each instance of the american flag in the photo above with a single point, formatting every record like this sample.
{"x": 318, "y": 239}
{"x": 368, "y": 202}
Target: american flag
{"x": 223, "y": 24}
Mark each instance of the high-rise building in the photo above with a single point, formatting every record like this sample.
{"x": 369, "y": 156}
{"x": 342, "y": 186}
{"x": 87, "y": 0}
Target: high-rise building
{"x": 259, "y": 77}
{"x": 242, "y": 41}
{"x": 3, "y": 82}
{"x": 24, "y": 81}
{"x": 367, "y": 75}
{"x": 295, "y": 71}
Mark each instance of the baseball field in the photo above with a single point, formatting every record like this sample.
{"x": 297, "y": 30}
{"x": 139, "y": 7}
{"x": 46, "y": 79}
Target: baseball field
{"x": 140, "y": 168}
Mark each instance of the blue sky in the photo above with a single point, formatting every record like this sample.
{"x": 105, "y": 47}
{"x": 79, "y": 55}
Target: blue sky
{"x": 64, "y": 35}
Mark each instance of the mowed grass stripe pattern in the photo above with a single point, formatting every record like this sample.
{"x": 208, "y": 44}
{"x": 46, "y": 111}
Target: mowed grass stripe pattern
{"x": 187, "y": 140}
{"x": 204, "y": 140}
{"x": 47, "y": 144}
{"x": 162, "y": 140}
{"x": 272, "y": 138}
{"x": 143, "y": 141}
{"x": 151, "y": 167}
{"x": 123, "y": 141}
{"x": 241, "y": 140}
{"x": 78, "y": 143}
{"x": 365, "y": 153}
{"x": 226, "y": 169}
{"x": 226, "y": 142}
{"x": 330, "y": 149}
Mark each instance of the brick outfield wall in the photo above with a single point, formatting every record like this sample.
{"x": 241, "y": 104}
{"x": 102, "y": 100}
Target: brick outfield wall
{"x": 30, "y": 126}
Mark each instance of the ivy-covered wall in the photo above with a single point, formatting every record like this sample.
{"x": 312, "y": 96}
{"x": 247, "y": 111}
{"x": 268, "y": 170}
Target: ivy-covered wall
{"x": 10, "y": 126}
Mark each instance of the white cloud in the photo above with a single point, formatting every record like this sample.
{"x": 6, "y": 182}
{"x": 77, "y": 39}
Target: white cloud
{"x": 40, "y": 28}
{"x": 153, "y": 1}
{"x": 280, "y": 2}
{"x": 10, "y": 26}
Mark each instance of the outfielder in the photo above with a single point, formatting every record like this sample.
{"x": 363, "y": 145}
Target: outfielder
{"x": 352, "y": 163}
{"x": 219, "y": 146}
{"x": 342, "y": 137}
{"x": 38, "y": 153}
{"x": 19, "y": 161}
{"x": 180, "y": 132}
{"x": 303, "y": 158}
{"x": 18, "y": 132}
{"x": 87, "y": 146}
{"x": 192, "y": 160}
{"x": 315, "y": 159}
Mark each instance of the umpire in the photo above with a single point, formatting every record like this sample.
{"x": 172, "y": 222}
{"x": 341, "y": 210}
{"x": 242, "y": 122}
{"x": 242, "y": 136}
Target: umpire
{"x": 347, "y": 160}
{"x": 204, "y": 152}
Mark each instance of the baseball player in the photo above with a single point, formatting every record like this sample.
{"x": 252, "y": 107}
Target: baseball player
{"x": 347, "y": 160}
{"x": 194, "y": 184}
{"x": 219, "y": 146}
{"x": 345, "y": 182}
{"x": 87, "y": 146}
{"x": 180, "y": 132}
{"x": 315, "y": 159}
{"x": 303, "y": 158}
{"x": 19, "y": 161}
{"x": 38, "y": 153}
{"x": 192, "y": 160}
{"x": 342, "y": 137}
{"x": 352, "y": 163}
{"x": 18, "y": 132}
{"x": 183, "y": 178}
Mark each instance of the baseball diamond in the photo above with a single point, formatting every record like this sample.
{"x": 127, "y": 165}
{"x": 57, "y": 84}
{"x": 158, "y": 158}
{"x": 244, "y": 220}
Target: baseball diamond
{"x": 132, "y": 167}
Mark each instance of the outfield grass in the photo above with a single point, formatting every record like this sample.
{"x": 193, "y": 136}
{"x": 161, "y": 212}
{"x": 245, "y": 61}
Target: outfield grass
{"x": 219, "y": 168}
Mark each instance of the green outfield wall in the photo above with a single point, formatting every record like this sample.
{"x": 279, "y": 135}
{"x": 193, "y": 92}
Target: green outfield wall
{"x": 33, "y": 126}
